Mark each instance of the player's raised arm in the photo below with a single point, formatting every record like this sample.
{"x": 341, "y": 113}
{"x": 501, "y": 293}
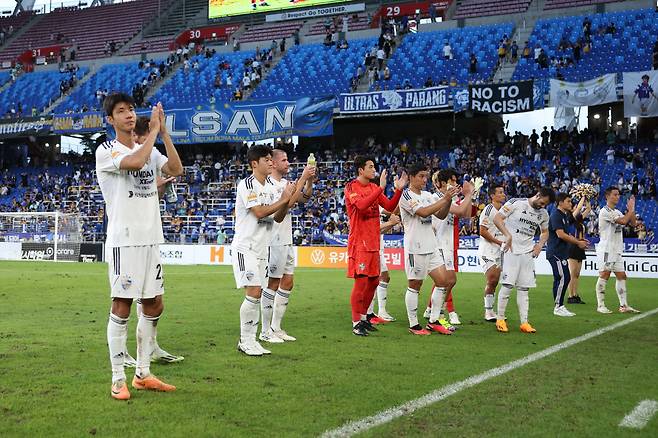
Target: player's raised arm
{"x": 399, "y": 184}
{"x": 281, "y": 213}
{"x": 173, "y": 166}
{"x": 138, "y": 159}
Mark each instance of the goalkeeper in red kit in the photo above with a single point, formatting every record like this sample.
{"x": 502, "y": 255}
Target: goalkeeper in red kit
{"x": 362, "y": 201}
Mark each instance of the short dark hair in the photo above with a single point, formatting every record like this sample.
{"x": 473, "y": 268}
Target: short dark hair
{"x": 278, "y": 150}
{"x": 114, "y": 99}
{"x": 142, "y": 125}
{"x": 360, "y": 162}
{"x": 547, "y": 191}
{"x": 561, "y": 197}
{"x": 414, "y": 169}
{"x": 493, "y": 187}
{"x": 444, "y": 175}
{"x": 258, "y": 151}
{"x": 610, "y": 189}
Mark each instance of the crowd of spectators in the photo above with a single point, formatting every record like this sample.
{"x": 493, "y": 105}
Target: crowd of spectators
{"x": 203, "y": 213}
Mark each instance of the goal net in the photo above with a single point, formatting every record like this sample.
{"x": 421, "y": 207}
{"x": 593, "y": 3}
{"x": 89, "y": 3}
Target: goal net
{"x": 43, "y": 236}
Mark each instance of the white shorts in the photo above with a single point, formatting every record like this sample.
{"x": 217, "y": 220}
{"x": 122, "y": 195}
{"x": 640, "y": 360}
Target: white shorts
{"x": 135, "y": 271}
{"x": 487, "y": 262}
{"x": 248, "y": 269}
{"x": 281, "y": 261}
{"x": 417, "y": 266}
{"x": 518, "y": 270}
{"x": 610, "y": 263}
{"x": 448, "y": 257}
{"x": 382, "y": 262}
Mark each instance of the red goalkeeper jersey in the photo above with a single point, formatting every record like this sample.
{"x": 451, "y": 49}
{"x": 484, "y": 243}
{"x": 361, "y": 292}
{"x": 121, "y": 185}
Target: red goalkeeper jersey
{"x": 362, "y": 203}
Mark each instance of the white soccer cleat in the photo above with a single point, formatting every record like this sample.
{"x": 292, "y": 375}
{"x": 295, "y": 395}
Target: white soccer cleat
{"x": 162, "y": 356}
{"x": 281, "y": 334}
{"x": 490, "y": 315}
{"x": 250, "y": 348}
{"x": 454, "y": 318}
{"x": 627, "y": 309}
{"x": 428, "y": 313}
{"x": 129, "y": 361}
{"x": 562, "y": 311}
{"x": 603, "y": 309}
{"x": 386, "y": 316}
{"x": 262, "y": 350}
{"x": 270, "y": 337}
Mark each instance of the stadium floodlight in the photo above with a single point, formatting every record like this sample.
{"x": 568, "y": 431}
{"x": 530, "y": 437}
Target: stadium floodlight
{"x": 619, "y": 123}
{"x": 597, "y": 116}
{"x": 52, "y": 236}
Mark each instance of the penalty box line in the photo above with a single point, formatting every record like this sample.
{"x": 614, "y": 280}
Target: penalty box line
{"x": 388, "y": 415}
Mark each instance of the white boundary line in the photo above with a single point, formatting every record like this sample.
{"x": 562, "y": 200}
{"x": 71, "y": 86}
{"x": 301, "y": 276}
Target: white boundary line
{"x": 641, "y": 415}
{"x": 411, "y": 406}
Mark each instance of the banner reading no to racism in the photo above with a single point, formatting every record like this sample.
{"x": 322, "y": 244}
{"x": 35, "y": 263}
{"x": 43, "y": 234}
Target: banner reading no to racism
{"x": 508, "y": 98}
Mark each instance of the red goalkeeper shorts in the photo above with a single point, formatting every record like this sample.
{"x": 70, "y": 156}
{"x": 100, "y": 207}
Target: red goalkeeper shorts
{"x": 363, "y": 263}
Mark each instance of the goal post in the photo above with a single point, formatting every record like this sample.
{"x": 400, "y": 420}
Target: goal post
{"x": 52, "y": 236}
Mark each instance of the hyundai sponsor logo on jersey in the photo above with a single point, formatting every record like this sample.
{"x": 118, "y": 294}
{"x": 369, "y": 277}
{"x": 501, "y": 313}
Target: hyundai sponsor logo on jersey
{"x": 435, "y": 98}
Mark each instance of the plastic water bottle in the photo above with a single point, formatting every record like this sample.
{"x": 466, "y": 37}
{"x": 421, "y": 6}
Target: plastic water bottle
{"x": 311, "y": 160}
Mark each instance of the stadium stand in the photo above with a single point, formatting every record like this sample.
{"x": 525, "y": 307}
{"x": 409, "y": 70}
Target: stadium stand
{"x": 421, "y": 55}
{"x": 150, "y": 45}
{"x": 4, "y": 77}
{"x": 314, "y": 70}
{"x": 559, "y": 4}
{"x": 35, "y": 90}
{"x": 356, "y": 22}
{"x": 269, "y": 32}
{"x": 11, "y": 24}
{"x": 482, "y": 8}
{"x": 89, "y": 29}
{"x": 626, "y": 48}
{"x": 195, "y": 86}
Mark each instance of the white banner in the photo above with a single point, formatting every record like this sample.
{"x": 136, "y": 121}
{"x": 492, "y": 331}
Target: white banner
{"x": 637, "y": 265}
{"x": 10, "y": 250}
{"x": 639, "y": 97}
{"x": 319, "y": 12}
{"x": 592, "y": 92}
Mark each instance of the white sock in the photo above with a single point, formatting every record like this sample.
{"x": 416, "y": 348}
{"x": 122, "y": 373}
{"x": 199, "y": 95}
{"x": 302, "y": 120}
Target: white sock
{"x": 382, "y": 294}
{"x": 280, "y": 305}
{"x": 249, "y": 315}
{"x": 146, "y": 328}
{"x": 600, "y": 291}
{"x": 523, "y": 302}
{"x": 138, "y": 306}
{"x": 411, "y": 301}
{"x": 503, "y": 298}
{"x": 438, "y": 297}
{"x": 620, "y": 287}
{"x": 488, "y": 301}
{"x": 266, "y": 309}
{"x": 371, "y": 307}
{"x": 117, "y": 334}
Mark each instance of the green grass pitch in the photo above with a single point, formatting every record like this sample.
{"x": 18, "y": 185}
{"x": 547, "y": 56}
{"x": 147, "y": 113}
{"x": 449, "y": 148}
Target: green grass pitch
{"x": 55, "y": 372}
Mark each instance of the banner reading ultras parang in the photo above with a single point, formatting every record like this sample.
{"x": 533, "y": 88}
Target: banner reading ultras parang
{"x": 249, "y": 121}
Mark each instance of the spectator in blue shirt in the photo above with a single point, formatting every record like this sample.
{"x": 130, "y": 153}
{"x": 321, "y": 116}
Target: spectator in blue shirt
{"x": 557, "y": 250}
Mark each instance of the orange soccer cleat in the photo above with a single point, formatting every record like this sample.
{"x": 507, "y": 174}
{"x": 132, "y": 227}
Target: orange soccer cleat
{"x": 119, "y": 390}
{"x": 153, "y": 383}
{"x": 527, "y": 328}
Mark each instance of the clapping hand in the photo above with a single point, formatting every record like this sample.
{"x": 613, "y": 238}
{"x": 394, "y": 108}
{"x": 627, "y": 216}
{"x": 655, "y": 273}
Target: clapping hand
{"x": 400, "y": 182}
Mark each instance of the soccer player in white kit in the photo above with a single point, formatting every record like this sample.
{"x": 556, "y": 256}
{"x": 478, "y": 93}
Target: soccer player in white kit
{"x": 610, "y": 247}
{"x": 490, "y": 250}
{"x": 126, "y": 174}
{"x": 281, "y": 259}
{"x": 422, "y": 256}
{"x": 256, "y": 210}
{"x": 519, "y": 220}
{"x": 444, "y": 229}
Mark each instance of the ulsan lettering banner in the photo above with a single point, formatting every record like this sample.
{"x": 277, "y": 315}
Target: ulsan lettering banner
{"x": 639, "y": 96}
{"x": 592, "y": 92}
{"x": 513, "y": 97}
{"x": 434, "y": 98}
{"x": 249, "y": 121}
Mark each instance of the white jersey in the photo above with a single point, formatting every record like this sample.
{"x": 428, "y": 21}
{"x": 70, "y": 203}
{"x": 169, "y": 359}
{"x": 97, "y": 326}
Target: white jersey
{"x": 418, "y": 235}
{"x": 131, "y": 196}
{"x": 444, "y": 229}
{"x": 282, "y": 234}
{"x": 523, "y": 221}
{"x": 252, "y": 234}
{"x": 488, "y": 249}
{"x": 612, "y": 240}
